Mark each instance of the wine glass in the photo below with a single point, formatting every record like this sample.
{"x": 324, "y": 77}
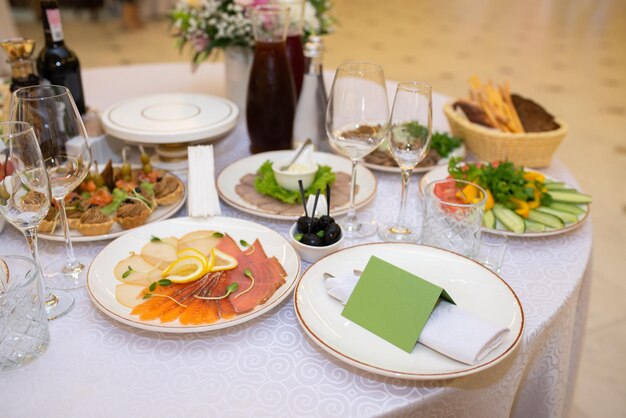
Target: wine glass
{"x": 409, "y": 140}
{"x": 25, "y": 198}
{"x": 357, "y": 121}
{"x": 65, "y": 148}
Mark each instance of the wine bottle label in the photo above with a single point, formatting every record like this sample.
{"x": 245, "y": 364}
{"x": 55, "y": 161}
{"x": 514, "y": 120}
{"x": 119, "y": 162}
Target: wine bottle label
{"x": 54, "y": 20}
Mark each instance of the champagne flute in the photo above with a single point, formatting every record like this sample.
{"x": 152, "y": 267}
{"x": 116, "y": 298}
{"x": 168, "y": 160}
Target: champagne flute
{"x": 65, "y": 148}
{"x": 357, "y": 121}
{"x": 25, "y": 198}
{"x": 409, "y": 140}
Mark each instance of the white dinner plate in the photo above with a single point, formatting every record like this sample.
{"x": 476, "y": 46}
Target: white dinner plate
{"x": 457, "y": 152}
{"x": 229, "y": 178}
{"x": 441, "y": 173}
{"x": 471, "y": 285}
{"x": 170, "y": 118}
{"x": 162, "y": 212}
{"x": 101, "y": 282}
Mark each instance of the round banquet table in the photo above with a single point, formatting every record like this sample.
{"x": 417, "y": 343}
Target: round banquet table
{"x": 97, "y": 367}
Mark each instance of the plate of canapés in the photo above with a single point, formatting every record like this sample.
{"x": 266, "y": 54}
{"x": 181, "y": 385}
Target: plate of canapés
{"x": 443, "y": 146}
{"x": 252, "y": 184}
{"x": 192, "y": 275}
{"x": 118, "y": 198}
{"x": 520, "y": 202}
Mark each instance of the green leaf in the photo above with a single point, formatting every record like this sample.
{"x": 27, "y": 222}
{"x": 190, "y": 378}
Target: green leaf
{"x": 218, "y": 235}
{"x": 265, "y": 183}
{"x": 444, "y": 144}
{"x": 320, "y": 233}
{"x": 147, "y": 295}
{"x": 118, "y": 197}
{"x": 127, "y": 272}
{"x": 152, "y": 286}
{"x": 298, "y": 237}
{"x": 244, "y": 243}
{"x": 164, "y": 282}
{"x": 247, "y": 273}
{"x": 232, "y": 288}
{"x": 154, "y": 238}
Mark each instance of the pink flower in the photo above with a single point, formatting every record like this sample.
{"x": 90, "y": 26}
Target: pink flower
{"x": 199, "y": 40}
{"x": 252, "y": 3}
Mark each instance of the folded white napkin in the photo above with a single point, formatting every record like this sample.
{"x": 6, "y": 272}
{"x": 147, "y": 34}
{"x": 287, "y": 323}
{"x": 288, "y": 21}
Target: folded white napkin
{"x": 450, "y": 330}
{"x": 202, "y": 199}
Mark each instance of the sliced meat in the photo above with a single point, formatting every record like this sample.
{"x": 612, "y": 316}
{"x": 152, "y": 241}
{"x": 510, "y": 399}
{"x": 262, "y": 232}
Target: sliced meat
{"x": 268, "y": 276}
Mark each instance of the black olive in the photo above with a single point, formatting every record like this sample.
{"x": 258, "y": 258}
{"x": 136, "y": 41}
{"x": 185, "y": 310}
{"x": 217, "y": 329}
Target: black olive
{"x": 138, "y": 189}
{"x": 303, "y": 224}
{"x": 332, "y": 234}
{"x": 324, "y": 221}
{"x": 312, "y": 240}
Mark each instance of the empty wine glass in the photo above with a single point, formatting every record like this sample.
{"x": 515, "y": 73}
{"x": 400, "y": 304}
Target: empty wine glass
{"x": 25, "y": 197}
{"x": 65, "y": 148}
{"x": 357, "y": 121}
{"x": 409, "y": 141}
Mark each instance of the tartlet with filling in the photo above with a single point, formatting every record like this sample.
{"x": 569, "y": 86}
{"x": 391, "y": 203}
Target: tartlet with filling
{"x": 168, "y": 190}
{"x": 50, "y": 222}
{"x": 132, "y": 213}
{"x": 94, "y": 222}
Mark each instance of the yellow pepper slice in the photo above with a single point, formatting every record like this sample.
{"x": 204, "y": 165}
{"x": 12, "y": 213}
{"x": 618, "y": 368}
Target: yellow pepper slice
{"x": 534, "y": 176}
{"x": 523, "y": 208}
{"x": 490, "y": 202}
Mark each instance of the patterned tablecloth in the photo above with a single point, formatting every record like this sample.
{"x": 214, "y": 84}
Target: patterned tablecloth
{"x": 97, "y": 367}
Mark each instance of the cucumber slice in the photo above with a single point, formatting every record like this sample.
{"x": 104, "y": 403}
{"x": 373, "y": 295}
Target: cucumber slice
{"x": 489, "y": 220}
{"x": 550, "y": 181}
{"x": 570, "y": 197}
{"x": 511, "y": 220}
{"x": 563, "y": 188}
{"x": 564, "y": 216}
{"x": 567, "y": 207}
{"x": 555, "y": 185}
{"x": 546, "y": 219}
{"x": 534, "y": 226}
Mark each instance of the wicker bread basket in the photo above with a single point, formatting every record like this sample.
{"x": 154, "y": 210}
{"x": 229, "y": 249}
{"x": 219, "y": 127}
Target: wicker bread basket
{"x": 533, "y": 149}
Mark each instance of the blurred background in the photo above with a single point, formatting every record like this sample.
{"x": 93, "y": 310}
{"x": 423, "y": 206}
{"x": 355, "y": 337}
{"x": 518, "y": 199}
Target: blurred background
{"x": 570, "y": 56}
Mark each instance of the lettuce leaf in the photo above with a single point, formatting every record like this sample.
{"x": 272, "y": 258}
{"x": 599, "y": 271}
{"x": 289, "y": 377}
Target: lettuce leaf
{"x": 118, "y": 197}
{"x": 265, "y": 183}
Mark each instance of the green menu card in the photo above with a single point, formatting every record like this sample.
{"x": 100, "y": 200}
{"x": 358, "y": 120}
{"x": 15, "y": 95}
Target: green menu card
{"x": 392, "y": 303}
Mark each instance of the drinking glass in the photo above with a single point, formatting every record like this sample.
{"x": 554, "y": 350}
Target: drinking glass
{"x": 489, "y": 250}
{"x": 357, "y": 121}
{"x": 453, "y": 213}
{"x": 409, "y": 140}
{"x": 65, "y": 148}
{"x": 24, "y": 334}
{"x": 25, "y": 198}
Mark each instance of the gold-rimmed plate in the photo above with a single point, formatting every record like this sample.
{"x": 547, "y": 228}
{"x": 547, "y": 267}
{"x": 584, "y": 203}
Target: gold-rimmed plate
{"x": 473, "y": 287}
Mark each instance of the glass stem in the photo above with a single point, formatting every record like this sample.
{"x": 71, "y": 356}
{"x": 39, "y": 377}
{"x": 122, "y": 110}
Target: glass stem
{"x": 406, "y": 175}
{"x": 351, "y": 217}
{"x": 72, "y": 263}
{"x": 31, "y": 239}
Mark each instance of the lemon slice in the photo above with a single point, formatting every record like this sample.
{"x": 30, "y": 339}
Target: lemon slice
{"x": 184, "y": 270}
{"x": 222, "y": 261}
{"x": 192, "y": 252}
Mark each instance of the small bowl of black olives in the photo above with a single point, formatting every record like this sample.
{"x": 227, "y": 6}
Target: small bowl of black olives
{"x": 315, "y": 237}
{"x": 312, "y": 246}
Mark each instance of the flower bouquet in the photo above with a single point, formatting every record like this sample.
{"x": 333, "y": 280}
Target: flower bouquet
{"x": 209, "y": 25}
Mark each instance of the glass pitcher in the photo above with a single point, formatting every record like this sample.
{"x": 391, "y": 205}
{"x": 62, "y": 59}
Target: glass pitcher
{"x": 295, "y": 54}
{"x": 271, "y": 98}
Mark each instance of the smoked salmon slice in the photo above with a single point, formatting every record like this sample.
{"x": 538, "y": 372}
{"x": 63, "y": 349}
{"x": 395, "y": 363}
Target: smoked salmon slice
{"x": 268, "y": 276}
{"x": 229, "y": 246}
{"x": 202, "y": 311}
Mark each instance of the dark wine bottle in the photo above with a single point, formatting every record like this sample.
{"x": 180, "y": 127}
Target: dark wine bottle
{"x": 56, "y": 62}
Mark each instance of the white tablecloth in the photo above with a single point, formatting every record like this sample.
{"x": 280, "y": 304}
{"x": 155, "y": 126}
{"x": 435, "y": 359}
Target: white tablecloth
{"x": 97, "y": 367}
